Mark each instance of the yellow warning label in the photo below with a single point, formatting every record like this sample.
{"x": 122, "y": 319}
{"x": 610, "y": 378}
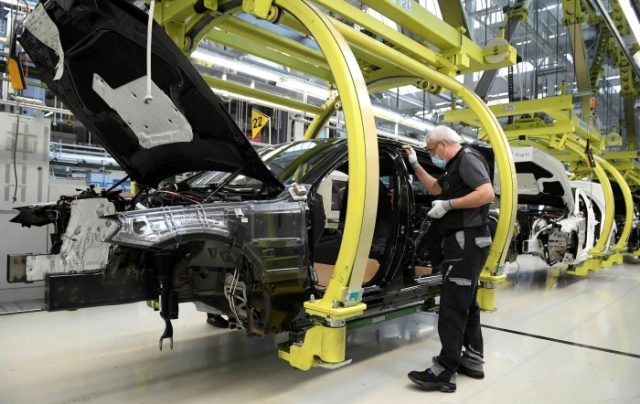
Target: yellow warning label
{"x": 258, "y": 121}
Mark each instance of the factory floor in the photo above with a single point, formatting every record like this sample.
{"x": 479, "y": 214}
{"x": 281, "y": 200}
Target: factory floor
{"x": 551, "y": 340}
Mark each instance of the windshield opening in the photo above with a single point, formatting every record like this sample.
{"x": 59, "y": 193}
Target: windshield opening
{"x": 289, "y": 163}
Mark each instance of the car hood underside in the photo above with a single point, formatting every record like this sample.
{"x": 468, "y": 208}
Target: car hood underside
{"x": 92, "y": 54}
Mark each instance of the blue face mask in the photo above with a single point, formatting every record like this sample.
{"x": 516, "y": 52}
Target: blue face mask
{"x": 439, "y": 162}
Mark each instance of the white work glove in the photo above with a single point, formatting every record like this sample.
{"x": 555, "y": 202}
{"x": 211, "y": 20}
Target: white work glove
{"x": 439, "y": 208}
{"x": 411, "y": 154}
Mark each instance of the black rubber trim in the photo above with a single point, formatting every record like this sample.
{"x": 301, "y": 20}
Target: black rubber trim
{"x": 561, "y": 341}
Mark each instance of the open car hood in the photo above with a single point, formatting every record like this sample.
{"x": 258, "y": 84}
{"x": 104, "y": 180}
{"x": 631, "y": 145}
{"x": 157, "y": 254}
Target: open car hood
{"x": 92, "y": 54}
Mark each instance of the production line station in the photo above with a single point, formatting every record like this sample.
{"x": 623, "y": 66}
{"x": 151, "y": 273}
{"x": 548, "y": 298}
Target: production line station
{"x": 231, "y": 200}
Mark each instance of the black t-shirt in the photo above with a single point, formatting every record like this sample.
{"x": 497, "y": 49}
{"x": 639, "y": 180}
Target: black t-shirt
{"x": 466, "y": 171}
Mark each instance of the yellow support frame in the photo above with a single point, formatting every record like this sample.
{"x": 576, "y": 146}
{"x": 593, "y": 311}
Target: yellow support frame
{"x": 458, "y": 53}
{"x": 491, "y": 272}
{"x": 269, "y": 39}
{"x": 324, "y": 343}
{"x": 465, "y": 54}
{"x": 621, "y": 245}
{"x": 327, "y": 110}
{"x": 486, "y": 294}
{"x": 408, "y": 46}
{"x": 560, "y": 108}
{"x": 245, "y": 91}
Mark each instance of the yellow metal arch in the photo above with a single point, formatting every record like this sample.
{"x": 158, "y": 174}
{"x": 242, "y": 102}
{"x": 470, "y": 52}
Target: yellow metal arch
{"x": 504, "y": 159}
{"x": 342, "y": 299}
{"x": 621, "y": 246}
{"x": 502, "y": 238}
{"x": 599, "y": 250}
{"x": 497, "y": 254}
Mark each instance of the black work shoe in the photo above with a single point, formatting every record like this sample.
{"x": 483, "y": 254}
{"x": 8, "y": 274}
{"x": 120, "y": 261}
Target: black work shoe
{"x": 476, "y": 374}
{"x": 445, "y": 381}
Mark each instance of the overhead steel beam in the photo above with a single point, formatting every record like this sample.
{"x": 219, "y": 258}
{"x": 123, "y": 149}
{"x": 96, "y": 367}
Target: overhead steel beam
{"x": 401, "y": 42}
{"x": 550, "y": 105}
{"x": 573, "y": 19}
{"x": 272, "y": 40}
{"x": 597, "y": 70}
{"x": 515, "y": 15}
{"x": 559, "y": 108}
{"x": 630, "y": 121}
{"x": 453, "y": 14}
{"x": 616, "y": 35}
{"x": 252, "y": 47}
{"x": 247, "y": 91}
{"x": 465, "y": 54}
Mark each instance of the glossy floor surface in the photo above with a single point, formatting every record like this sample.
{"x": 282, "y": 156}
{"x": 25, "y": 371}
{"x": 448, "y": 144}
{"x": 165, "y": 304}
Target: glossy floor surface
{"x": 110, "y": 354}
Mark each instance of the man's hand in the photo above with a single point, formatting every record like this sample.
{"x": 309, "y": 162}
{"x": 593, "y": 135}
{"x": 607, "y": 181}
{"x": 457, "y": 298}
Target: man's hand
{"x": 439, "y": 208}
{"x": 413, "y": 159}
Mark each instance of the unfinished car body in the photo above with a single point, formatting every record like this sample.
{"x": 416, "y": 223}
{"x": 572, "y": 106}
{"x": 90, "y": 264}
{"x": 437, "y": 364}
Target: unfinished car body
{"x": 249, "y": 247}
{"x": 558, "y": 219}
{"x": 250, "y": 258}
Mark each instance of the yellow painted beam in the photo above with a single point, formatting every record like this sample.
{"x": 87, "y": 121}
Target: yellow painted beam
{"x": 261, "y": 95}
{"x": 558, "y": 129}
{"x": 621, "y": 244}
{"x": 408, "y": 46}
{"x": 245, "y": 44}
{"x": 560, "y": 108}
{"x": 620, "y": 155}
{"x": 549, "y": 105}
{"x": 274, "y": 41}
{"x": 379, "y": 84}
{"x": 588, "y": 131}
{"x": 469, "y": 56}
{"x": 321, "y": 119}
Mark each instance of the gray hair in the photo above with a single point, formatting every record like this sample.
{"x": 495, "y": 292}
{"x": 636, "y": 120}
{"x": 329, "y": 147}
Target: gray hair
{"x": 443, "y": 134}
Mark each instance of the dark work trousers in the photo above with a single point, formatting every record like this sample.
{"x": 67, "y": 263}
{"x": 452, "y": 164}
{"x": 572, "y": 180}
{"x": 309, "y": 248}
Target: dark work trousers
{"x": 464, "y": 254}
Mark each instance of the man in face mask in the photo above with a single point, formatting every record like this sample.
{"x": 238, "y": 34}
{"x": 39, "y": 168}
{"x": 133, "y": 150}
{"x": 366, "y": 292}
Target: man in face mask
{"x": 463, "y": 193}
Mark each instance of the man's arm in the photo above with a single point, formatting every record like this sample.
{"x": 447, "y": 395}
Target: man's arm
{"x": 480, "y": 196}
{"x": 473, "y": 171}
{"x": 427, "y": 181}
